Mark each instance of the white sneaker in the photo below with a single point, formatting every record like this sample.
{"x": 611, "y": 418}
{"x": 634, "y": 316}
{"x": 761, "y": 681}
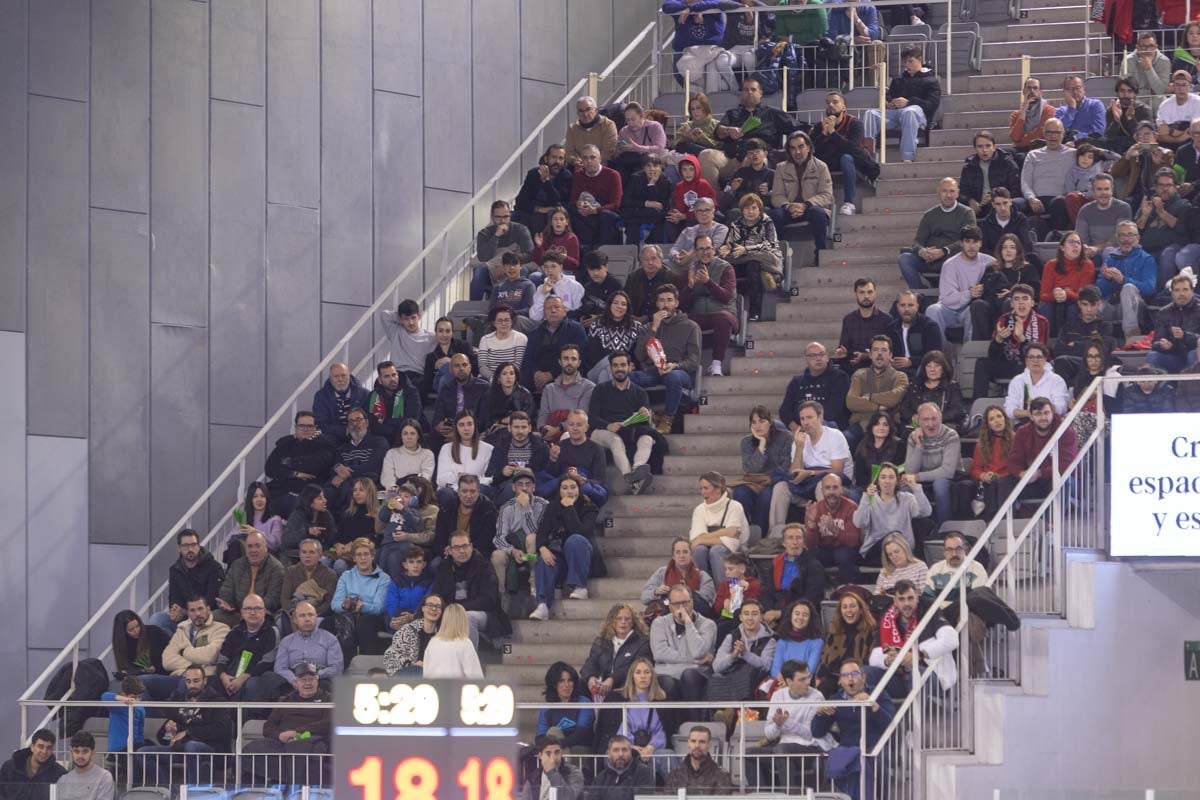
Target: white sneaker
{"x": 847, "y": 209}
{"x": 580, "y": 593}
{"x": 715, "y": 369}
{"x": 542, "y": 612}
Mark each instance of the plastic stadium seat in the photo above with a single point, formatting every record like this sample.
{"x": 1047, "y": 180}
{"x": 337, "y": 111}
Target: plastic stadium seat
{"x": 252, "y": 729}
{"x": 1100, "y": 86}
{"x": 671, "y": 102}
{"x": 622, "y": 259}
{"x": 922, "y": 29}
{"x": 724, "y": 101}
{"x": 148, "y": 793}
{"x": 361, "y": 665}
{"x": 934, "y": 551}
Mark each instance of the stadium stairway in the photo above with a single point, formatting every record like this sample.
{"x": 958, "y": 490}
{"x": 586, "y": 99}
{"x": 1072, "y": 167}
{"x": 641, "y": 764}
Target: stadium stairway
{"x": 637, "y": 539}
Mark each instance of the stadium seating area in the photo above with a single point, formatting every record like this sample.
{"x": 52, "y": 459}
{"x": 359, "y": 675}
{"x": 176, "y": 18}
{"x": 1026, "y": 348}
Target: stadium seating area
{"x": 847, "y": 364}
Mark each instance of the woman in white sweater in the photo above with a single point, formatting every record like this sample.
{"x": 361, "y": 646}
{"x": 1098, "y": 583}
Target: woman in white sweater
{"x": 885, "y": 510}
{"x": 407, "y": 457}
{"x": 719, "y": 526}
{"x": 450, "y": 653}
{"x": 467, "y": 454}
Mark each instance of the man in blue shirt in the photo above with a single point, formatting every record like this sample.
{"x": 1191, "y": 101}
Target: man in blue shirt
{"x": 1082, "y": 116}
{"x": 854, "y": 686}
{"x": 1126, "y": 280}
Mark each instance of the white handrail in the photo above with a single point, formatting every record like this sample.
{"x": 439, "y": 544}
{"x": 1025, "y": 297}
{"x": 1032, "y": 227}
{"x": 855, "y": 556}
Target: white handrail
{"x": 339, "y": 350}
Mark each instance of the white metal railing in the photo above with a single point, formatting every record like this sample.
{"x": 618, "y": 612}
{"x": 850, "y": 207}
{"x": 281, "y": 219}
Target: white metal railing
{"x": 440, "y": 269}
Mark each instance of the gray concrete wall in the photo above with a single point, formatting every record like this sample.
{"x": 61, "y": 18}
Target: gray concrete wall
{"x": 196, "y": 199}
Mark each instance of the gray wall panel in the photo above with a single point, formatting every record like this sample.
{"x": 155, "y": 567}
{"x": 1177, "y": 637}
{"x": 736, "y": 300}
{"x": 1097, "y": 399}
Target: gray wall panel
{"x": 293, "y": 102}
{"x": 629, "y": 17}
{"x": 239, "y": 50}
{"x": 346, "y": 152}
{"x": 58, "y": 266}
{"x": 398, "y": 47}
{"x": 225, "y": 442}
{"x": 178, "y": 424}
{"x": 399, "y": 206}
{"x": 14, "y": 665}
{"x": 179, "y": 162}
{"x": 440, "y": 208}
{"x": 336, "y": 319}
{"x": 589, "y": 37}
{"x": 108, "y": 565}
{"x": 120, "y": 360}
{"x": 497, "y": 124}
{"x": 14, "y": 50}
{"x": 58, "y": 48}
{"x": 543, "y": 40}
{"x": 238, "y": 272}
{"x": 58, "y": 527}
{"x": 447, "y": 31}
{"x": 121, "y": 105}
{"x": 537, "y": 98}
{"x": 14, "y": 586}
{"x": 293, "y": 299}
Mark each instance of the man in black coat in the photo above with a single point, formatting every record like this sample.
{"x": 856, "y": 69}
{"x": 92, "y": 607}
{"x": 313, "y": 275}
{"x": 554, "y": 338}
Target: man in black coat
{"x": 776, "y": 125}
{"x": 1002, "y": 170}
{"x": 838, "y": 141}
{"x": 624, "y": 774}
{"x": 31, "y": 770}
{"x": 192, "y": 729}
{"x": 194, "y": 574}
{"x": 463, "y": 392}
{"x": 467, "y": 578}
{"x": 913, "y": 97}
{"x": 481, "y": 518}
{"x": 913, "y": 334}
{"x": 546, "y": 186}
{"x": 299, "y": 459}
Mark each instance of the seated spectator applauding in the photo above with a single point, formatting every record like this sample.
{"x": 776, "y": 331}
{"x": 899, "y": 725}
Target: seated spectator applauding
{"x": 502, "y": 344}
{"x": 304, "y": 457}
{"x": 1126, "y": 280}
{"x": 294, "y": 731}
{"x": 682, "y": 643}
{"x": 645, "y": 202}
{"x": 789, "y": 726}
{"x": 1163, "y": 221}
{"x": 1025, "y": 124}
{"x": 802, "y": 191}
{"x": 698, "y": 773}
{"x": 839, "y": 143}
{"x": 886, "y": 509}
{"x": 796, "y": 574}
{"x": 467, "y": 579}
{"x": 546, "y": 187}
{"x": 938, "y": 235}
{"x": 1125, "y": 112}
{"x": 623, "y": 639}
{"x": 564, "y": 543}
{"x": 578, "y": 456}
{"x": 1176, "y": 329}
{"x": 829, "y": 530}
{"x": 1015, "y": 330}
{"x": 820, "y": 383}
{"x": 682, "y": 568}
{"x": 989, "y": 463}
{"x": 987, "y": 170}
{"x": 505, "y": 397}
{"x": 361, "y": 596}
{"x": 935, "y": 648}
{"x": 501, "y": 236}
{"x": 961, "y": 284}
{"x": 719, "y": 525}
{"x": 340, "y": 393}
{"x": 257, "y": 572}
{"x": 591, "y": 128}
{"x": 898, "y": 563}
{"x": 933, "y": 457}
{"x": 247, "y": 655}
{"x": 611, "y": 404}
{"x": 540, "y": 364}
{"x": 410, "y": 342}
{"x": 753, "y": 246}
{"x": 766, "y": 452}
{"x": 406, "y": 654}
{"x": 568, "y": 391}
{"x": 913, "y": 334}
{"x": 595, "y": 200}
{"x": 935, "y": 384}
{"x": 912, "y": 100}
{"x": 817, "y": 450}
{"x": 679, "y": 339}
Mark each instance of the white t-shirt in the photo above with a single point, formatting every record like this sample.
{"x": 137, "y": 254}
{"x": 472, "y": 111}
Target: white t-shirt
{"x": 1170, "y": 111}
{"x": 821, "y": 455}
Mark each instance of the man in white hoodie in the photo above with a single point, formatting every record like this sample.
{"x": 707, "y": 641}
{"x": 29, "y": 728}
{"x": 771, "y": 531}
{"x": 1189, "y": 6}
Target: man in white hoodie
{"x": 789, "y": 728}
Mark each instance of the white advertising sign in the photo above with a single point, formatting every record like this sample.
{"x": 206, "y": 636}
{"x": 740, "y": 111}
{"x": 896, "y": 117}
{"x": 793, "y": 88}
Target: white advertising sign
{"x": 1155, "y": 485}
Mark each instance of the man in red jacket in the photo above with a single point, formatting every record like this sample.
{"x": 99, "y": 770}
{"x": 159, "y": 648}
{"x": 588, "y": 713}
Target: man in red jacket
{"x": 1028, "y": 441}
{"x": 595, "y": 200}
{"x": 829, "y": 529}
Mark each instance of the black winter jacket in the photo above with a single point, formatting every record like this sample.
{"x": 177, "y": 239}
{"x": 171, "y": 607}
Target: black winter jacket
{"x": 482, "y": 589}
{"x": 15, "y": 784}
{"x": 921, "y": 89}
{"x": 1003, "y": 172}
{"x": 603, "y": 663}
{"x": 313, "y": 456}
{"x": 203, "y": 579}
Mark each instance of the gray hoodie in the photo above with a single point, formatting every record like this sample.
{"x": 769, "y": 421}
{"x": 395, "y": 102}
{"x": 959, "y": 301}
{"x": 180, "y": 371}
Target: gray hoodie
{"x": 676, "y": 652}
{"x": 726, "y": 661}
{"x": 408, "y": 349}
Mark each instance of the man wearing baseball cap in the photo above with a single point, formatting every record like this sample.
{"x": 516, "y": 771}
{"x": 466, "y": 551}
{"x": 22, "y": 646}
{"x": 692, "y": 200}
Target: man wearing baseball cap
{"x": 1177, "y": 111}
{"x": 294, "y": 731}
{"x": 516, "y": 526}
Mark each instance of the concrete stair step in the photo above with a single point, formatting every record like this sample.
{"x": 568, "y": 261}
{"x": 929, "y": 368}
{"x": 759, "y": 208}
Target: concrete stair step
{"x": 849, "y": 260}
{"x": 923, "y": 170}
{"x": 891, "y": 203}
{"x": 815, "y": 297}
{"x": 1070, "y": 29}
{"x": 832, "y": 276}
{"x": 694, "y": 465}
{"x": 916, "y": 187}
{"x": 634, "y": 568}
{"x": 660, "y": 503}
{"x": 782, "y": 369}
{"x": 529, "y": 653}
{"x": 962, "y": 136}
{"x": 980, "y": 101}
{"x": 561, "y": 630}
{"x": 1051, "y": 15}
{"x": 976, "y": 120}
{"x": 730, "y": 424}
{"x": 715, "y": 387}
{"x": 952, "y": 153}
{"x": 1079, "y": 8}
{"x": 799, "y": 310}
{"x": 864, "y": 223}
{"x": 1042, "y": 46}
{"x": 790, "y": 350}
{"x": 625, "y": 529}
{"x": 652, "y": 543}
{"x": 1066, "y": 61}
{"x": 676, "y": 484}
{"x": 739, "y": 404}
{"x": 1009, "y": 80}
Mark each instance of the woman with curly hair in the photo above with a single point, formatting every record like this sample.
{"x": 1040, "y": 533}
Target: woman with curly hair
{"x": 852, "y": 634}
{"x": 623, "y": 639}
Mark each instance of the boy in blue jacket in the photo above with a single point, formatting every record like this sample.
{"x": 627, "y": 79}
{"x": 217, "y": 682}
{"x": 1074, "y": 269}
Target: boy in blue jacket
{"x": 408, "y": 590}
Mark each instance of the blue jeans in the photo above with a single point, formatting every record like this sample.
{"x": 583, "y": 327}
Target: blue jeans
{"x": 757, "y": 505}
{"x": 676, "y": 381}
{"x": 441, "y": 377}
{"x": 575, "y": 562}
{"x": 910, "y": 119}
{"x": 1171, "y": 362}
{"x": 912, "y": 266}
{"x": 816, "y": 217}
{"x": 162, "y": 619}
{"x": 941, "y": 501}
{"x": 161, "y": 687}
{"x": 1059, "y": 314}
{"x": 1173, "y": 258}
{"x": 944, "y": 317}
{"x": 849, "y": 177}
{"x": 711, "y": 559}
{"x": 481, "y": 281}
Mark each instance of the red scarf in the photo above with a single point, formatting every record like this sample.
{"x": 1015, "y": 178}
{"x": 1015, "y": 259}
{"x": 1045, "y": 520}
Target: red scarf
{"x": 890, "y": 634}
{"x": 674, "y": 576}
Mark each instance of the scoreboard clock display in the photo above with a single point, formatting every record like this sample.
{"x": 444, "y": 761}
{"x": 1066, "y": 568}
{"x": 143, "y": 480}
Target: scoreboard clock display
{"x": 423, "y": 740}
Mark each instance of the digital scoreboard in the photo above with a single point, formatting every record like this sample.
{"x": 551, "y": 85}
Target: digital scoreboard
{"x": 423, "y": 740}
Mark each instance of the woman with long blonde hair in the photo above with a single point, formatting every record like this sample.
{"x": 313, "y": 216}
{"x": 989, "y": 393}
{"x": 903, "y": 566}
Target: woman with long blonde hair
{"x": 450, "y": 653}
{"x": 898, "y": 563}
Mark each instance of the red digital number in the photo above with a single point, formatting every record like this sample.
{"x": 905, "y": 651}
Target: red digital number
{"x": 497, "y": 780}
{"x": 415, "y": 779}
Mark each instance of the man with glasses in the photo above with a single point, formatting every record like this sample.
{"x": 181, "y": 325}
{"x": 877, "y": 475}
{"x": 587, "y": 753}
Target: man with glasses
{"x": 1162, "y": 219}
{"x": 709, "y": 296}
{"x": 955, "y": 548}
{"x": 467, "y": 578}
{"x": 248, "y": 653}
{"x": 302, "y": 458}
{"x": 1037, "y": 380}
{"x": 1082, "y": 116}
{"x": 590, "y": 128}
{"x": 1187, "y": 158}
{"x": 501, "y": 236}
{"x": 1014, "y": 331}
{"x": 682, "y": 642}
{"x": 853, "y": 685}
{"x": 1147, "y": 68}
{"x": 1026, "y": 123}
{"x": 406, "y": 655}
{"x": 1126, "y": 280}
{"x": 1177, "y": 111}
{"x": 1139, "y": 164}
{"x": 195, "y": 572}
{"x": 817, "y": 383}
{"x": 1044, "y": 176}
{"x": 684, "y": 249}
